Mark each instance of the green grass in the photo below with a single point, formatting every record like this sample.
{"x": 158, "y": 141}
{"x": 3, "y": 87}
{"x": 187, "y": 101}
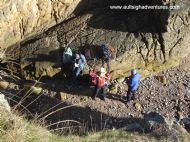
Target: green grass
{"x": 14, "y": 128}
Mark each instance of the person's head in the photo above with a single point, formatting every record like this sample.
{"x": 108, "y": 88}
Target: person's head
{"x": 77, "y": 56}
{"x": 79, "y": 52}
{"x": 102, "y": 71}
{"x": 133, "y": 72}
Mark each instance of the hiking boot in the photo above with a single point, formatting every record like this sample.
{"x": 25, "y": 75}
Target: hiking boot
{"x": 102, "y": 98}
{"x": 133, "y": 98}
{"x": 93, "y": 98}
{"x": 129, "y": 103}
{"x": 124, "y": 98}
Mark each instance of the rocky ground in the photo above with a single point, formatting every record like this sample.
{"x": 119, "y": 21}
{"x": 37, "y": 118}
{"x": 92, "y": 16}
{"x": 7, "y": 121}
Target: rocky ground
{"x": 167, "y": 93}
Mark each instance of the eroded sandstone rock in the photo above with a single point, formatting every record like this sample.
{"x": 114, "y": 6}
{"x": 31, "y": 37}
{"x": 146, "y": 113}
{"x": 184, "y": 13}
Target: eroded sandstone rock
{"x": 4, "y": 84}
{"x": 21, "y": 18}
{"x": 146, "y": 38}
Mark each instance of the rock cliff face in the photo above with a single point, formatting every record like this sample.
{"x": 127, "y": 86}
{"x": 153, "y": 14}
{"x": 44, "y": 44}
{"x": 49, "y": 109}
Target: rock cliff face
{"x": 21, "y": 18}
{"x": 140, "y": 37}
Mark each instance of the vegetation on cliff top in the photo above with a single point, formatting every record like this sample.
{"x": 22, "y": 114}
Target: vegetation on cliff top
{"x": 14, "y": 128}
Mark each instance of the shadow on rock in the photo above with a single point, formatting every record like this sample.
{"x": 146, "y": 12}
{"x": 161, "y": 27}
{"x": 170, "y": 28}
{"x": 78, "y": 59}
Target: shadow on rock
{"x": 63, "y": 118}
{"x": 107, "y": 16}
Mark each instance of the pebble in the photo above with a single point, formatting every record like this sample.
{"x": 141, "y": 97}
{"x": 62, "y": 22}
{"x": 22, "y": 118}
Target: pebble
{"x": 179, "y": 115}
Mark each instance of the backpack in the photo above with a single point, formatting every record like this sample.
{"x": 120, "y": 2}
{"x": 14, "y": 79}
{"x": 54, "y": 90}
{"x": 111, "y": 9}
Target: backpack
{"x": 105, "y": 51}
{"x": 111, "y": 51}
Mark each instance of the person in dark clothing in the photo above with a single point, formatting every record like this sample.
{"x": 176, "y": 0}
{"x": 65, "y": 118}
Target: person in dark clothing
{"x": 107, "y": 52}
{"x": 133, "y": 83}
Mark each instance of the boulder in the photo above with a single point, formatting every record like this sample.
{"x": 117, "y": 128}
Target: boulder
{"x": 186, "y": 122}
{"x": 4, "y": 103}
{"x": 161, "y": 79}
{"x": 32, "y": 89}
{"x": 21, "y": 18}
{"x": 45, "y": 62}
{"x": 180, "y": 115}
{"x": 120, "y": 80}
{"x": 62, "y": 96}
{"x": 4, "y": 84}
{"x": 154, "y": 121}
{"x": 51, "y": 72}
{"x": 36, "y": 90}
{"x": 14, "y": 86}
{"x": 113, "y": 89}
{"x": 138, "y": 107}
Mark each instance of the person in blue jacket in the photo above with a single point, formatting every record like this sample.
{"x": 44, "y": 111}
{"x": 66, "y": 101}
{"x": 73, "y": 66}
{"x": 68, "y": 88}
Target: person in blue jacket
{"x": 79, "y": 63}
{"x": 133, "y": 84}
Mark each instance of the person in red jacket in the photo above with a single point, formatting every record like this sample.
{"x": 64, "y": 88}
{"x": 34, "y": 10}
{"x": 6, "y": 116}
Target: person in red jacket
{"x": 100, "y": 85}
{"x": 92, "y": 78}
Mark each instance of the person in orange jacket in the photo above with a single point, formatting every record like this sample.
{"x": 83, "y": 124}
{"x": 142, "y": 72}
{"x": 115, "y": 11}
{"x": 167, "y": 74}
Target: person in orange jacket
{"x": 100, "y": 87}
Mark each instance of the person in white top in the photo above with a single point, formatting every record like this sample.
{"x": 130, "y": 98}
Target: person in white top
{"x": 79, "y": 63}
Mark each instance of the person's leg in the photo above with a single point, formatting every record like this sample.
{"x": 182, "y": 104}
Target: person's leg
{"x": 96, "y": 92}
{"x": 103, "y": 91}
{"x": 74, "y": 71}
{"x": 129, "y": 95}
{"x": 78, "y": 70}
{"x": 134, "y": 96}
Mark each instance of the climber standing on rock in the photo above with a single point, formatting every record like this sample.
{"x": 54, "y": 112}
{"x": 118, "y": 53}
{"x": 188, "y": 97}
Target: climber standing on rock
{"x": 107, "y": 52}
{"x": 133, "y": 83}
{"x": 79, "y": 63}
{"x": 100, "y": 87}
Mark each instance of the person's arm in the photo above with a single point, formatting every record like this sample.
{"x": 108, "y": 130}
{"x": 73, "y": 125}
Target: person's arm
{"x": 126, "y": 80}
{"x": 83, "y": 59}
{"x": 73, "y": 59}
{"x": 107, "y": 76}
